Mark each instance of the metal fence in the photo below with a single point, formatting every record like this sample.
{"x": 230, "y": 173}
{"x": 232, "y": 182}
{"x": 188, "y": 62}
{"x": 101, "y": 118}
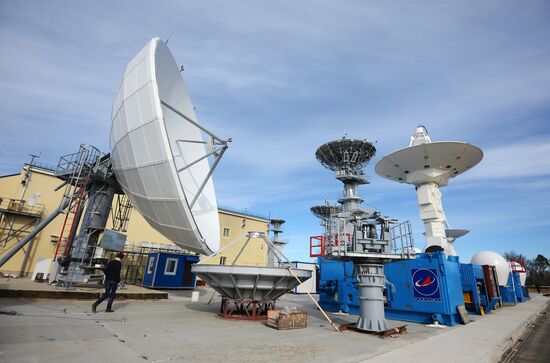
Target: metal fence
{"x": 244, "y": 212}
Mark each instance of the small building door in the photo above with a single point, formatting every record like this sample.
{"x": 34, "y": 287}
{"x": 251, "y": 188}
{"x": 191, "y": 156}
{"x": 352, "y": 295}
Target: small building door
{"x": 187, "y": 274}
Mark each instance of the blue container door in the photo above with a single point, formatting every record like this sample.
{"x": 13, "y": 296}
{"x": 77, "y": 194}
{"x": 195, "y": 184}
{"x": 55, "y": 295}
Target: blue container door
{"x": 150, "y": 268}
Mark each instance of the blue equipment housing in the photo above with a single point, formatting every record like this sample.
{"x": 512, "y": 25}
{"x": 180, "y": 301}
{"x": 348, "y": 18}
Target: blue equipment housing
{"x": 170, "y": 271}
{"x": 434, "y": 299}
{"x": 508, "y": 295}
{"x": 337, "y": 286}
{"x": 518, "y": 289}
{"x": 475, "y": 290}
{"x": 513, "y": 292}
{"x": 425, "y": 289}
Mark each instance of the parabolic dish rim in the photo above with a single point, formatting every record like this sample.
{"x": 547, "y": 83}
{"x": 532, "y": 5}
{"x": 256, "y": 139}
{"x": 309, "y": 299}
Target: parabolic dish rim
{"x": 266, "y": 272}
{"x": 330, "y": 208}
{"x": 324, "y": 151}
{"x": 160, "y": 78}
{"x": 394, "y": 166}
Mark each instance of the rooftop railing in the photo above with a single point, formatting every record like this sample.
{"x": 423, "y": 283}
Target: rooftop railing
{"x": 243, "y": 212}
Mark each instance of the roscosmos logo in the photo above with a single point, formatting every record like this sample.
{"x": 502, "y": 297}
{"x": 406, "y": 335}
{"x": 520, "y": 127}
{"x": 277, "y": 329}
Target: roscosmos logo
{"x": 425, "y": 285}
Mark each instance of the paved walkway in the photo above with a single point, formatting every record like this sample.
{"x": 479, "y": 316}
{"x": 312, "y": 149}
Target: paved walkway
{"x": 24, "y": 288}
{"x": 178, "y": 330}
{"x": 484, "y": 340}
{"x": 536, "y": 346}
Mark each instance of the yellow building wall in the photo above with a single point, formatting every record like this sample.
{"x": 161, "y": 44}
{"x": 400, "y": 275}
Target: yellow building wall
{"x": 42, "y": 247}
{"x": 255, "y": 253}
{"x": 138, "y": 229}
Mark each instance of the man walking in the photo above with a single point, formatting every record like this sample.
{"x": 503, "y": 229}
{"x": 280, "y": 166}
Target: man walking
{"x": 112, "y": 278}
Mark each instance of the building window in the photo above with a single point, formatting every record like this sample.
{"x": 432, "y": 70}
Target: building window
{"x": 226, "y": 232}
{"x": 151, "y": 265}
{"x": 222, "y": 260}
{"x": 171, "y": 266}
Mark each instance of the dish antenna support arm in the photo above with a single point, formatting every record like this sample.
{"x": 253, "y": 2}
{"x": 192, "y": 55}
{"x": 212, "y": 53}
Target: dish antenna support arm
{"x": 193, "y": 122}
{"x": 214, "y": 165}
{"x": 216, "y": 141}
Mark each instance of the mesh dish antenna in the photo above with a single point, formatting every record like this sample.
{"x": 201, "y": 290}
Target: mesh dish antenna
{"x": 159, "y": 153}
{"x": 347, "y": 157}
{"x": 324, "y": 211}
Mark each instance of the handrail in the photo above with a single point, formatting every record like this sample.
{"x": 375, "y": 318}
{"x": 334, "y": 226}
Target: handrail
{"x": 243, "y": 212}
{"x": 21, "y": 206}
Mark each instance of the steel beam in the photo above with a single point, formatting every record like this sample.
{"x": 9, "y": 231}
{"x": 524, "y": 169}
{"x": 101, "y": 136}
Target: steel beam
{"x": 9, "y": 254}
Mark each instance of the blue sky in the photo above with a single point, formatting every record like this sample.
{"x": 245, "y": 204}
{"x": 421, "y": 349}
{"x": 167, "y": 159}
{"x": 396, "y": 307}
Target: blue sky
{"x": 283, "y": 77}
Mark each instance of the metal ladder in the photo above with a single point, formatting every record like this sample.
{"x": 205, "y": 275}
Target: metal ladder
{"x": 76, "y": 169}
{"x": 75, "y": 192}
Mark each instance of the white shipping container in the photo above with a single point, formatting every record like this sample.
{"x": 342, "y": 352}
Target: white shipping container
{"x": 309, "y": 285}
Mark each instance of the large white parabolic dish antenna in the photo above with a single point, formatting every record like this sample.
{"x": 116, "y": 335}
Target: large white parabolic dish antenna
{"x": 428, "y": 166}
{"x": 158, "y": 152}
{"x": 436, "y": 162}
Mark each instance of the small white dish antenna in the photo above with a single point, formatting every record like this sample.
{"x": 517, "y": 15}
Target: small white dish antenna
{"x": 159, "y": 153}
{"x": 34, "y": 199}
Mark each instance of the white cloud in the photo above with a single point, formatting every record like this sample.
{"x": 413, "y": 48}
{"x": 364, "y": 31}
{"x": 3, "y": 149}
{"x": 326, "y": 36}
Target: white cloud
{"x": 526, "y": 159}
{"x": 283, "y": 78}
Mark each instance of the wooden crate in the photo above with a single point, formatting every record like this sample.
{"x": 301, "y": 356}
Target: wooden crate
{"x": 280, "y": 320}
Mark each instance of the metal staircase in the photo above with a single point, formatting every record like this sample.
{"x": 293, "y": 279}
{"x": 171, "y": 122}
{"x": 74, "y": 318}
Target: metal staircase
{"x": 75, "y": 169}
{"x": 121, "y": 213}
{"x": 78, "y": 170}
{"x": 89, "y": 188}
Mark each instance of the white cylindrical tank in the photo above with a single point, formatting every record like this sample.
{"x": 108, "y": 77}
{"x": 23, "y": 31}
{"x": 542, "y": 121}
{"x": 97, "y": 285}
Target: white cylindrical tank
{"x": 517, "y": 267}
{"x": 494, "y": 259}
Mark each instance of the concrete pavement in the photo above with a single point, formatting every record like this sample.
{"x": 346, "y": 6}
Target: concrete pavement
{"x": 535, "y": 347}
{"x": 178, "y": 330}
{"x": 25, "y": 288}
{"x": 484, "y": 340}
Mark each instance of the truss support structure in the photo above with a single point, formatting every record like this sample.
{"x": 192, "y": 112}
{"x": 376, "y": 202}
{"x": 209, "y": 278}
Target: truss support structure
{"x": 245, "y": 309}
{"x": 218, "y": 148}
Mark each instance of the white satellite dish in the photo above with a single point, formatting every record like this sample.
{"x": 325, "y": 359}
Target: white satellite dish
{"x": 34, "y": 199}
{"x": 432, "y": 162}
{"x": 428, "y": 166}
{"x": 158, "y": 152}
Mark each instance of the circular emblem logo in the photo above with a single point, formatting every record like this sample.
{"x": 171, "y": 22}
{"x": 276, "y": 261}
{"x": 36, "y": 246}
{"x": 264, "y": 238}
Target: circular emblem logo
{"x": 425, "y": 282}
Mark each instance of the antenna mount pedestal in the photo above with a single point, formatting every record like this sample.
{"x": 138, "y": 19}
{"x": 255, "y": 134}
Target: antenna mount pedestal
{"x": 360, "y": 235}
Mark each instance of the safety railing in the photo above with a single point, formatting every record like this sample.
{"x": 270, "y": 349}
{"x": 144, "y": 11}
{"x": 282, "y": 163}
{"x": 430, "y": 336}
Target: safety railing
{"x": 20, "y": 206}
{"x": 86, "y": 156}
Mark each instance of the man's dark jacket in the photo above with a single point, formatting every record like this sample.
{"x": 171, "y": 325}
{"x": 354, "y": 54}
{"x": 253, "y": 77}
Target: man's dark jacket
{"x": 112, "y": 271}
